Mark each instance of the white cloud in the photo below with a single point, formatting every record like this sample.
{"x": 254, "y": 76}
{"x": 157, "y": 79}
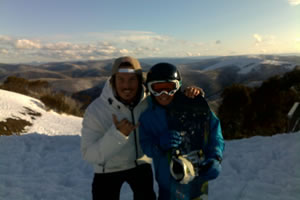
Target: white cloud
{"x": 69, "y": 51}
{"x": 100, "y": 46}
{"x": 294, "y": 2}
{"x": 124, "y": 51}
{"x": 3, "y": 51}
{"x": 4, "y": 38}
{"x": 105, "y": 52}
{"x": 61, "y": 46}
{"x": 128, "y": 37}
{"x": 271, "y": 44}
{"x": 265, "y": 40}
{"x": 144, "y": 49}
{"x": 6, "y": 41}
{"x": 263, "y": 51}
{"x": 258, "y": 38}
{"x": 27, "y": 44}
{"x": 190, "y": 54}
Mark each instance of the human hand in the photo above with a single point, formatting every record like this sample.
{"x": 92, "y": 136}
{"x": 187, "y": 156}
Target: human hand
{"x": 193, "y": 91}
{"x": 124, "y": 126}
{"x": 175, "y": 139}
{"x": 206, "y": 165}
{"x": 171, "y": 139}
{"x": 210, "y": 169}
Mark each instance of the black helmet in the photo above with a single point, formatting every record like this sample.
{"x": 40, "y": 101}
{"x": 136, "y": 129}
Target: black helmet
{"x": 157, "y": 77}
{"x": 163, "y": 72}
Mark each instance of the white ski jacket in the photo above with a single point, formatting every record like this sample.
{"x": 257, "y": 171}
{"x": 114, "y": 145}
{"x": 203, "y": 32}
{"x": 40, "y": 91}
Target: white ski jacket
{"x": 101, "y": 143}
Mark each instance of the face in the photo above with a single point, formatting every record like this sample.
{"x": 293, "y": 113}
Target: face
{"x": 164, "y": 99}
{"x": 127, "y": 85}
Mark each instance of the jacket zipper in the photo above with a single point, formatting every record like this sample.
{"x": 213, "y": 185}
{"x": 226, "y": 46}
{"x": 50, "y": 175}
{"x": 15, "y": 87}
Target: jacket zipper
{"x": 135, "y": 137}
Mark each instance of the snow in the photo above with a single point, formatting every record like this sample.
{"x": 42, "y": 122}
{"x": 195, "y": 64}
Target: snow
{"x": 46, "y": 163}
{"x": 14, "y": 105}
{"x": 247, "y": 64}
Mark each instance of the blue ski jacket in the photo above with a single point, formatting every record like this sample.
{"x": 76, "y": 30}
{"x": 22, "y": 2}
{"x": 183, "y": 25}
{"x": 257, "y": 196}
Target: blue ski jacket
{"x": 154, "y": 124}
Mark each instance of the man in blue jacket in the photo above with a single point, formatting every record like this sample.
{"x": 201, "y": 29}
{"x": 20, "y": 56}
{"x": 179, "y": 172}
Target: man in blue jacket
{"x": 159, "y": 137}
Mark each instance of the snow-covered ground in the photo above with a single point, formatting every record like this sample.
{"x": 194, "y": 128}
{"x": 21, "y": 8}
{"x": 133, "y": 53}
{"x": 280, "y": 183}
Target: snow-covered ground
{"x": 14, "y": 105}
{"x": 46, "y": 163}
{"x": 248, "y": 64}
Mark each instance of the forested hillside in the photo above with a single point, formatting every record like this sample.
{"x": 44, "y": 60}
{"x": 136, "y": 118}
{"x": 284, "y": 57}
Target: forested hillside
{"x": 246, "y": 111}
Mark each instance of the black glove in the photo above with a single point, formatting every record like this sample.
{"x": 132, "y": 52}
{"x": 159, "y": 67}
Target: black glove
{"x": 210, "y": 169}
{"x": 206, "y": 165}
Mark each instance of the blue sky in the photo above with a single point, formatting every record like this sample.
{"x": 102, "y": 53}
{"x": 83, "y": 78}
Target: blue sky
{"x": 59, "y": 30}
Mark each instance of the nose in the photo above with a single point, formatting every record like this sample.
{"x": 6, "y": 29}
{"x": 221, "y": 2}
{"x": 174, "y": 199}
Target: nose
{"x": 126, "y": 84}
{"x": 164, "y": 95}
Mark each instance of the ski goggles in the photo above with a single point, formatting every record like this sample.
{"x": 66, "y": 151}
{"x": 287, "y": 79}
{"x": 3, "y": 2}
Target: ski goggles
{"x": 158, "y": 88}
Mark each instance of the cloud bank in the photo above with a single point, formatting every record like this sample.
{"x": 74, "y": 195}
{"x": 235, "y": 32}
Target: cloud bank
{"x": 294, "y": 2}
{"x": 140, "y": 44}
{"x": 92, "y": 46}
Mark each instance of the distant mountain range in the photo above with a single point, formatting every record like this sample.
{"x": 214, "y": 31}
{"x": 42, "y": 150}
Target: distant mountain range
{"x": 210, "y": 73}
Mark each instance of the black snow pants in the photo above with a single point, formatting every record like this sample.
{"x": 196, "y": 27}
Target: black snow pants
{"x": 107, "y": 186}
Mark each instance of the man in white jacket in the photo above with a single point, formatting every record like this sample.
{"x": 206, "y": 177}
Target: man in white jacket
{"x": 110, "y": 139}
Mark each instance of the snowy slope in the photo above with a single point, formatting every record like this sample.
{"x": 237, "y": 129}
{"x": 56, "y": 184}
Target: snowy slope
{"x": 48, "y": 165}
{"x": 14, "y": 105}
{"x": 248, "y": 64}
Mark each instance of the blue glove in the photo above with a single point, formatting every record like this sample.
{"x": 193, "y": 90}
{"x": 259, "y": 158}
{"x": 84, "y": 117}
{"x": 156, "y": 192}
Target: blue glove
{"x": 171, "y": 139}
{"x": 210, "y": 169}
{"x": 175, "y": 138}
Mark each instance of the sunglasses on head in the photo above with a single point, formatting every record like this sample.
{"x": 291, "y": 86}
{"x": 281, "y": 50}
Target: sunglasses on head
{"x": 157, "y": 88}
